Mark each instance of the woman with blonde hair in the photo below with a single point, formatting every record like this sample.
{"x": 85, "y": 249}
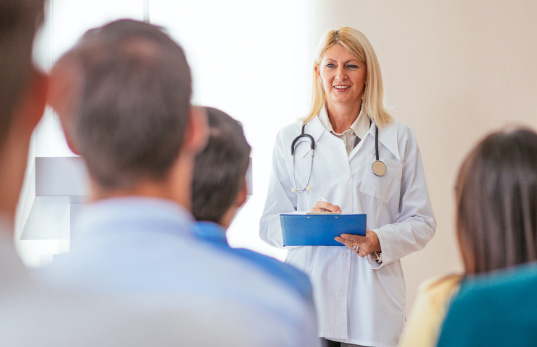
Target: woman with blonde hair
{"x": 350, "y": 156}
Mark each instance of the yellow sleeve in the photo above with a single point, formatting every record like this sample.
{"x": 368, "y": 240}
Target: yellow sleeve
{"x": 425, "y": 319}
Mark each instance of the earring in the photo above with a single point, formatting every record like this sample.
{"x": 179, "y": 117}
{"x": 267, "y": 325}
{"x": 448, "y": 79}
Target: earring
{"x": 320, "y": 80}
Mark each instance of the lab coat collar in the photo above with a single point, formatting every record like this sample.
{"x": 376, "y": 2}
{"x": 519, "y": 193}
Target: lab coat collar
{"x": 315, "y": 128}
{"x": 360, "y": 127}
{"x": 387, "y": 137}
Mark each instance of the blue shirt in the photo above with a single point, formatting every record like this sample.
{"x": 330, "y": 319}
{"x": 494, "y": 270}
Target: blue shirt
{"x": 288, "y": 274}
{"x": 497, "y": 309}
{"x": 144, "y": 248}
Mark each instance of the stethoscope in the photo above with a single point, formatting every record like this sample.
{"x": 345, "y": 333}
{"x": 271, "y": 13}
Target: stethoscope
{"x": 378, "y": 167}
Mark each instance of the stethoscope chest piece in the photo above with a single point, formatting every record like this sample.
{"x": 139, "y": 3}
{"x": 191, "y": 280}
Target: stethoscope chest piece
{"x": 379, "y": 168}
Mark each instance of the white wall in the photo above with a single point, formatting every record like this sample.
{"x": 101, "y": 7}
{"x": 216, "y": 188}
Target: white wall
{"x": 454, "y": 70}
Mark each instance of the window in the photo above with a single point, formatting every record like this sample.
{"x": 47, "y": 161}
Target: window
{"x": 252, "y": 59}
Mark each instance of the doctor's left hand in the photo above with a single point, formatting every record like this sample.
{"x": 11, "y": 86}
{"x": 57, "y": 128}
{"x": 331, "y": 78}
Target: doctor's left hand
{"x": 366, "y": 244}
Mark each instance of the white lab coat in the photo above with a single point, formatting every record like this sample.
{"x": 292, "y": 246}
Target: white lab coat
{"x": 358, "y": 300}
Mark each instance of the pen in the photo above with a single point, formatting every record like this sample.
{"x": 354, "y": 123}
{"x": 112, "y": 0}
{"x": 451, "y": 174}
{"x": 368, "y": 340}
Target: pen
{"x": 321, "y": 198}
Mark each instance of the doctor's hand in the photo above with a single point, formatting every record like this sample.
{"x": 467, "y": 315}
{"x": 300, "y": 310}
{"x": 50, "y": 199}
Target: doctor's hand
{"x": 366, "y": 244}
{"x": 324, "y": 206}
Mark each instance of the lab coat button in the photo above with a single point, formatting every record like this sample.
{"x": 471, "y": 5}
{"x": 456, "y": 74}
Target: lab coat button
{"x": 343, "y": 254}
{"x": 345, "y": 177}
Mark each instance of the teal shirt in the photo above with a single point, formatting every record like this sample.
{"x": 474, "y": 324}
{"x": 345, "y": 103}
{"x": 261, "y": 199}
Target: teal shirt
{"x": 498, "y": 309}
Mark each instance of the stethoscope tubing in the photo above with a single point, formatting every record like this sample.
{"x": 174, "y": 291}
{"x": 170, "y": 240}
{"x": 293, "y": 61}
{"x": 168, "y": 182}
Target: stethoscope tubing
{"x": 378, "y": 167}
{"x": 302, "y": 134}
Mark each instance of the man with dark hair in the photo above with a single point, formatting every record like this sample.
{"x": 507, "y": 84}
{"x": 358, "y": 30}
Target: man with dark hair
{"x": 219, "y": 184}
{"x": 123, "y": 96}
{"x": 22, "y": 101}
{"x": 22, "y": 98}
{"x": 219, "y": 190}
{"x": 19, "y": 21}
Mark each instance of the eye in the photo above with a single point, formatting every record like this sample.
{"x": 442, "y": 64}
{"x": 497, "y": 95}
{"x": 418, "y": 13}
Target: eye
{"x": 352, "y": 66}
{"x": 330, "y": 65}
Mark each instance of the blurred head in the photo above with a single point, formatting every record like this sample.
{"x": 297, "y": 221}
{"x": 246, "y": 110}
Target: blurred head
{"x": 22, "y": 94}
{"x": 219, "y": 172}
{"x": 357, "y": 46}
{"x": 19, "y": 21}
{"x": 123, "y": 96}
{"x": 496, "y": 198}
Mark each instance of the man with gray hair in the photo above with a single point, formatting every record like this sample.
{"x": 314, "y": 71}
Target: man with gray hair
{"x": 32, "y": 314}
{"x": 22, "y": 101}
{"x": 123, "y": 96}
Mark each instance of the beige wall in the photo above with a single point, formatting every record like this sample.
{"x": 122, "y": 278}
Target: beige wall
{"x": 453, "y": 71}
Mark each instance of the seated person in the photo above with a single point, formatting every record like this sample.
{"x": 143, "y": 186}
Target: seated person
{"x": 494, "y": 310}
{"x": 496, "y": 206}
{"x": 123, "y": 97}
{"x": 31, "y": 314}
{"x": 219, "y": 190}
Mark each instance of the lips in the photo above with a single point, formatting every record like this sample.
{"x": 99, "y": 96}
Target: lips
{"x": 342, "y": 87}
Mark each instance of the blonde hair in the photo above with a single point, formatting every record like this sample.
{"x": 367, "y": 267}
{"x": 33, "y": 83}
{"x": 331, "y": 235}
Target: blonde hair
{"x": 357, "y": 44}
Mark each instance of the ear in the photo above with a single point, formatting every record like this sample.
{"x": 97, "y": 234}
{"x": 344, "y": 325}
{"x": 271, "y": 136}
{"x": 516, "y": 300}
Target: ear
{"x": 197, "y": 133}
{"x": 14, "y": 149}
{"x": 64, "y": 93}
{"x": 317, "y": 70}
{"x": 33, "y": 103}
{"x": 69, "y": 140}
{"x": 242, "y": 195}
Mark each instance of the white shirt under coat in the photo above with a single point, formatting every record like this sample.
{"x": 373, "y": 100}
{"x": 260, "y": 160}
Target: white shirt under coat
{"x": 358, "y": 301}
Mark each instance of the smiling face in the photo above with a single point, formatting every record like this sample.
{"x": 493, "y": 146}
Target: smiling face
{"x": 343, "y": 76}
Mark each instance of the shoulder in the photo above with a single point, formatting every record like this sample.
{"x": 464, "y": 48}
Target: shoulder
{"x": 398, "y": 138}
{"x": 400, "y": 130}
{"x": 290, "y": 130}
{"x": 510, "y": 283}
{"x": 504, "y": 300}
{"x": 437, "y": 292}
{"x": 441, "y": 282}
{"x": 257, "y": 279}
{"x": 286, "y": 273}
{"x": 251, "y": 264}
{"x": 272, "y": 288}
{"x": 428, "y": 311}
{"x": 439, "y": 289}
{"x": 285, "y": 137}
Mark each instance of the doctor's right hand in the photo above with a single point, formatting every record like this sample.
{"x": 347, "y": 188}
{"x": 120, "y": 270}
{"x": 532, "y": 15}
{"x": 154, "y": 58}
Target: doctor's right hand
{"x": 324, "y": 206}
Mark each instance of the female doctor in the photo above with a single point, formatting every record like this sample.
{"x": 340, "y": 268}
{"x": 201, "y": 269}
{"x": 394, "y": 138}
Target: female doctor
{"x": 352, "y": 153}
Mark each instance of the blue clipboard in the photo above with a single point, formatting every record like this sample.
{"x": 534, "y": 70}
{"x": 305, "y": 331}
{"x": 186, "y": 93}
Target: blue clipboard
{"x": 320, "y": 229}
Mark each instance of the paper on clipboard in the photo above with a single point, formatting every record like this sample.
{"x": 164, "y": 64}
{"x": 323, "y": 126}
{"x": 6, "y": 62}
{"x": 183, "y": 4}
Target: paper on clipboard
{"x": 320, "y": 229}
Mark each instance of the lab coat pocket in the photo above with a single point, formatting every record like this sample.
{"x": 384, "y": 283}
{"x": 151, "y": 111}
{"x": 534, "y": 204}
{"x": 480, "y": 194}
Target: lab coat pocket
{"x": 384, "y": 187}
